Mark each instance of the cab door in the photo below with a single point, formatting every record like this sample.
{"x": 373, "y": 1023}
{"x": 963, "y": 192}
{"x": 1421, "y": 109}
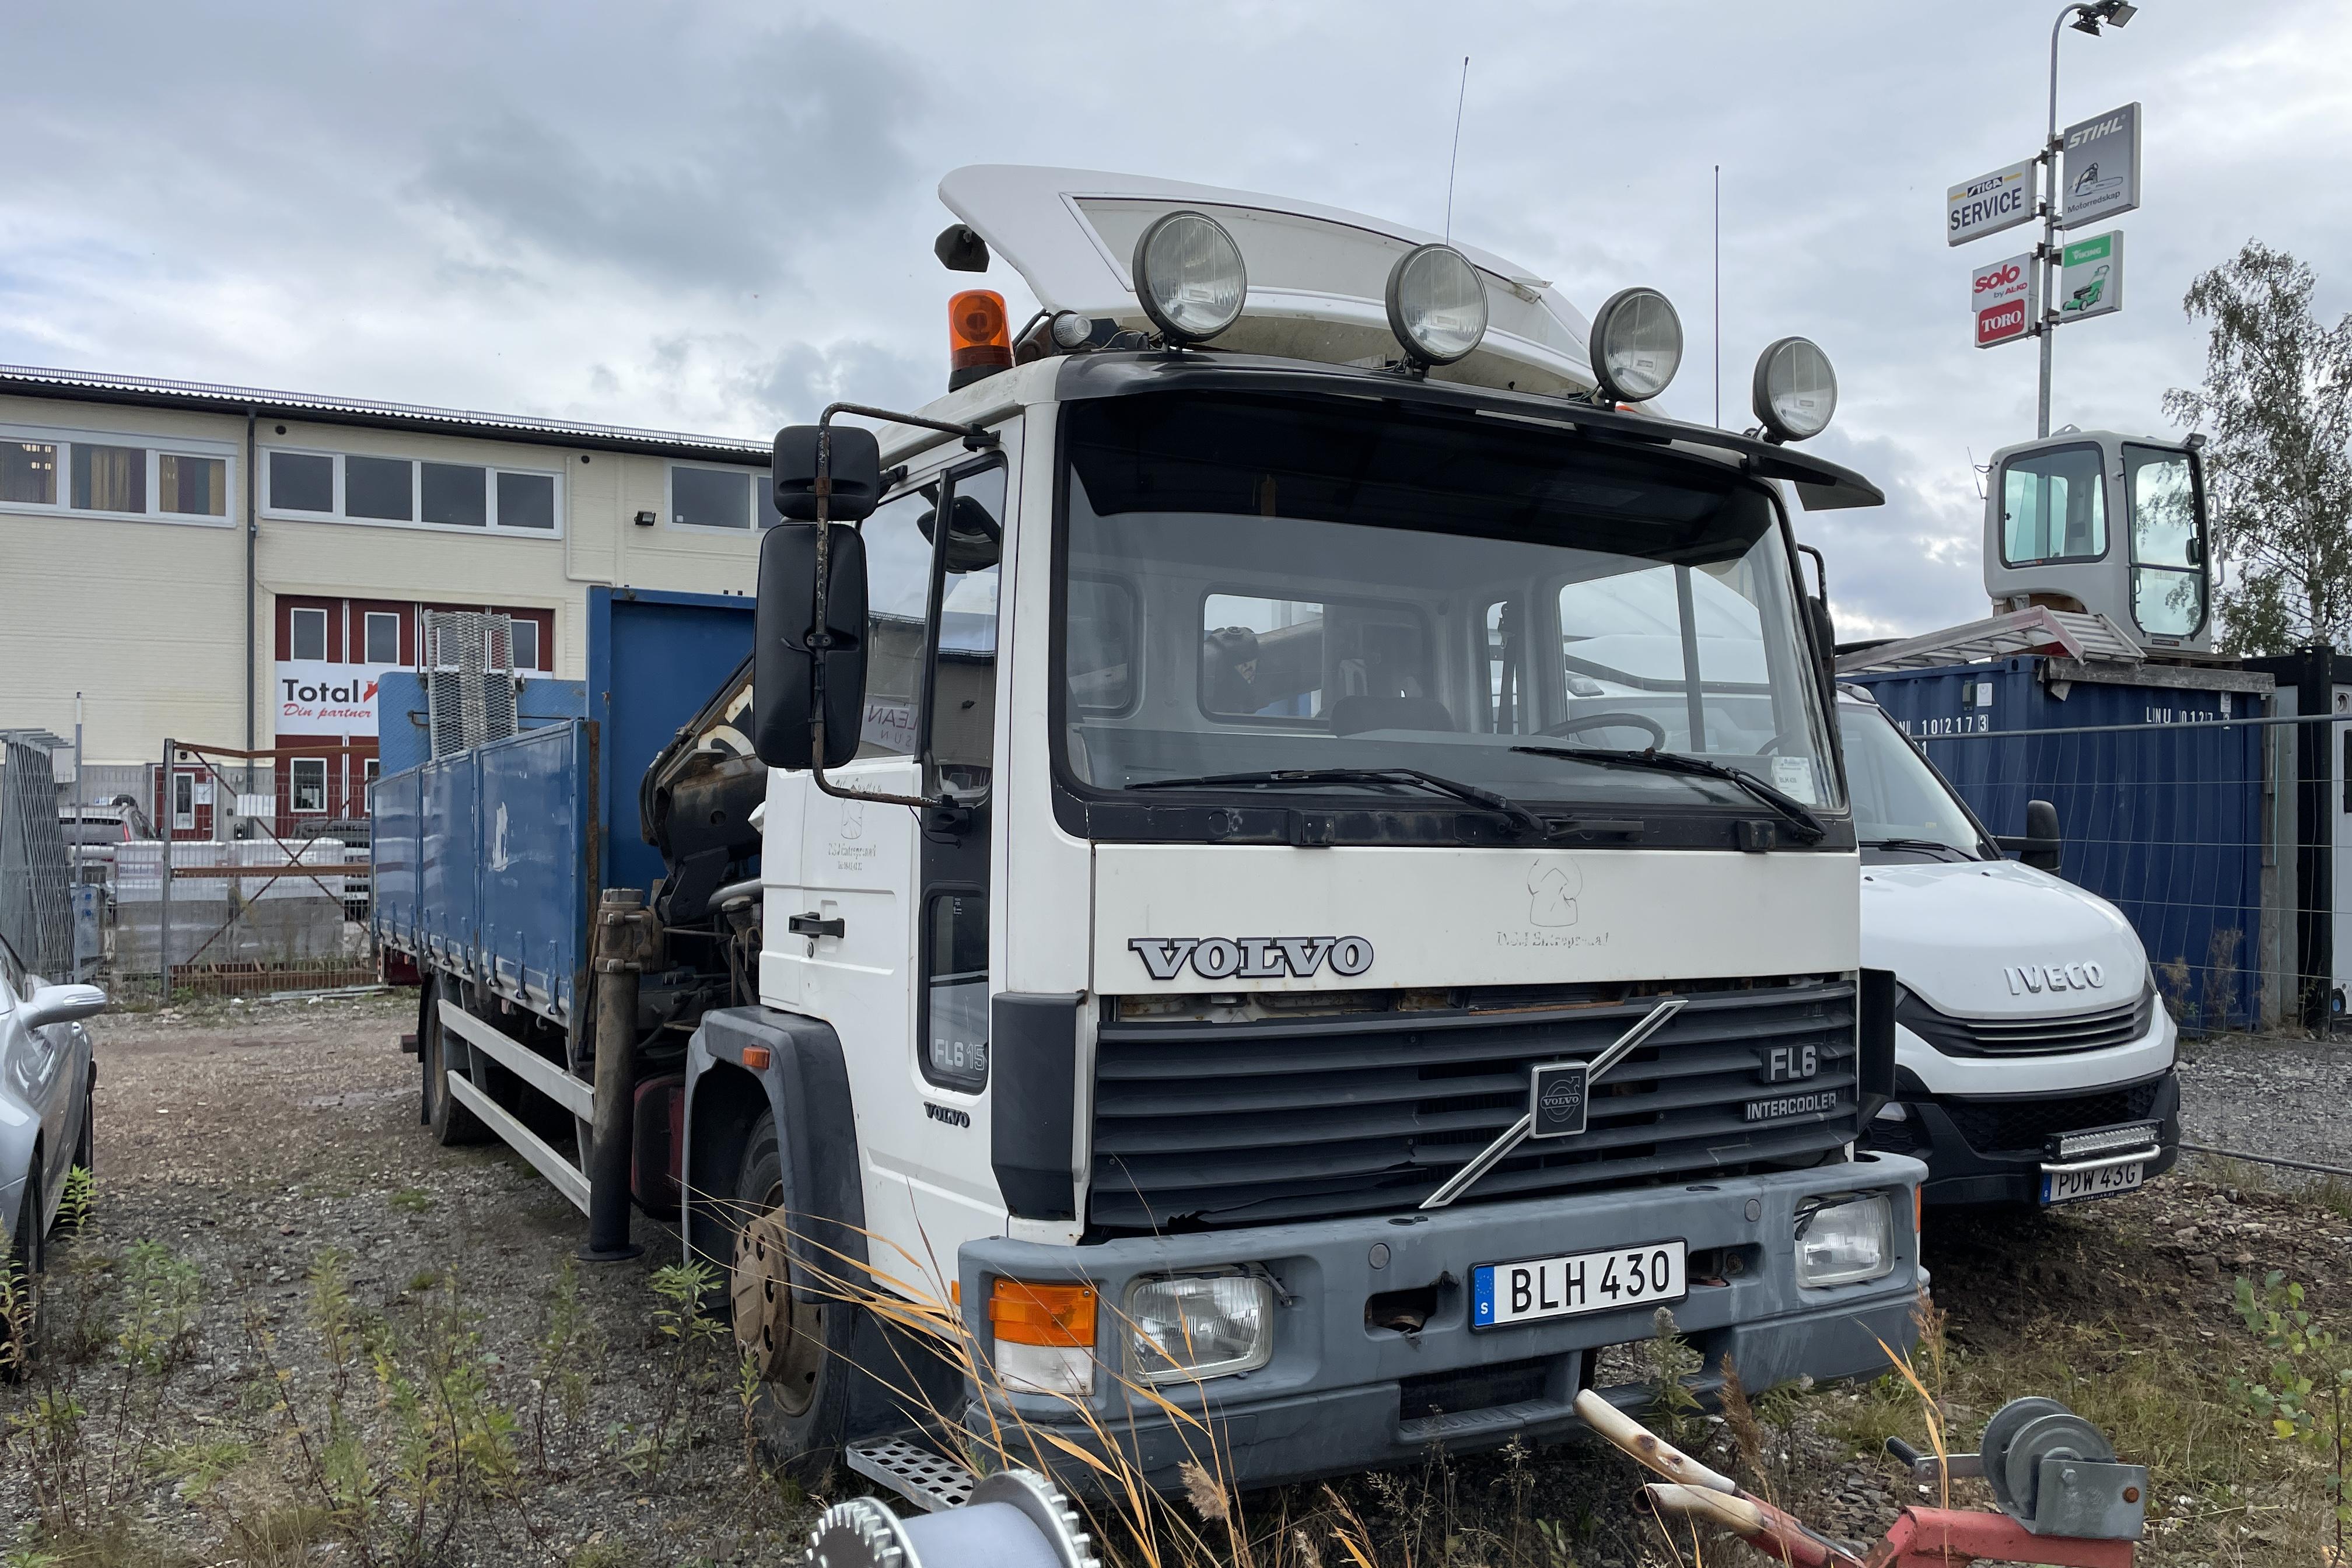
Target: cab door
{"x": 889, "y": 940}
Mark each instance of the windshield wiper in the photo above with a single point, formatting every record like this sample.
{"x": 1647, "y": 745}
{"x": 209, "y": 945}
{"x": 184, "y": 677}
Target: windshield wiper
{"x": 1923, "y": 845}
{"x": 1434, "y": 783}
{"x": 1794, "y": 811}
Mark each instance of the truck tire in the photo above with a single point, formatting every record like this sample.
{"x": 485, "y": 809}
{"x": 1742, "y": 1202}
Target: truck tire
{"x": 20, "y": 1324}
{"x": 802, "y": 1348}
{"x": 451, "y": 1122}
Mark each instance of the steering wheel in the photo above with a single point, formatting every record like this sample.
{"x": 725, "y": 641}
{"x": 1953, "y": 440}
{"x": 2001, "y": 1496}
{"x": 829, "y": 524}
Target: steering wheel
{"x": 1584, "y": 721}
{"x": 1770, "y": 746}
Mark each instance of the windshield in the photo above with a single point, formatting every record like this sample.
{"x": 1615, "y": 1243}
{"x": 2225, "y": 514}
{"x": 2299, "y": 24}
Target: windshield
{"x": 1896, "y": 794}
{"x": 1259, "y": 582}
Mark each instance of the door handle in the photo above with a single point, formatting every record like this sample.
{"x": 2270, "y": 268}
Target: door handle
{"x": 813, "y": 924}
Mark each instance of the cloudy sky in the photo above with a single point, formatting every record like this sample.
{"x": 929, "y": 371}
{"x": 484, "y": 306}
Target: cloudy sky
{"x": 715, "y": 218}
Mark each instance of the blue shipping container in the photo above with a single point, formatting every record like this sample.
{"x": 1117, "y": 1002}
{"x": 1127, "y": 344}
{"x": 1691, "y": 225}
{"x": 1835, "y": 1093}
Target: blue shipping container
{"x": 2162, "y": 814}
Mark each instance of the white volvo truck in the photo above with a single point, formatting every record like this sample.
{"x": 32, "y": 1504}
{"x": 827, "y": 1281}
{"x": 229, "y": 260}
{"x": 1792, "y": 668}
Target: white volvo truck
{"x": 2034, "y": 1057}
{"x": 1209, "y": 914}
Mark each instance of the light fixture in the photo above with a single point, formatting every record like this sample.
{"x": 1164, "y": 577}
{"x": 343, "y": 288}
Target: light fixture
{"x": 1795, "y": 391}
{"x": 1437, "y": 304}
{"x": 1189, "y": 276}
{"x": 1636, "y": 345}
{"x": 644, "y": 520}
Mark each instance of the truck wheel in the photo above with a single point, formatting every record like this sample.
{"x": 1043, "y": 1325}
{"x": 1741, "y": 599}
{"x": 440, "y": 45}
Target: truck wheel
{"x": 20, "y": 1321}
{"x": 451, "y": 1122}
{"x": 799, "y": 1348}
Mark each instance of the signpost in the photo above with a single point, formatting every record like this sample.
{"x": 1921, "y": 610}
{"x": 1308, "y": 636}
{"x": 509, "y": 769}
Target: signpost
{"x": 1989, "y": 203}
{"x": 2007, "y": 300}
{"x": 2101, "y": 177}
{"x": 2091, "y": 277}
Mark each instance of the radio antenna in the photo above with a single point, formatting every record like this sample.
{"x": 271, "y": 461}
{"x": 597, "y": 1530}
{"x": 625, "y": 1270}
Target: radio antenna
{"x": 1453, "y": 161}
{"x": 1719, "y": 296}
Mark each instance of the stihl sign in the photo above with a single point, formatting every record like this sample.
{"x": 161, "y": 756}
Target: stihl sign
{"x": 2006, "y": 297}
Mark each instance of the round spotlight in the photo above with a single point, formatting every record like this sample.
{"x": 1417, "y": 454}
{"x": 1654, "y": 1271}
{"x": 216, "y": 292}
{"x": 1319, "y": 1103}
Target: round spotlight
{"x": 1072, "y": 330}
{"x": 1437, "y": 303}
{"x": 1636, "y": 345}
{"x": 1796, "y": 390}
{"x": 1189, "y": 276}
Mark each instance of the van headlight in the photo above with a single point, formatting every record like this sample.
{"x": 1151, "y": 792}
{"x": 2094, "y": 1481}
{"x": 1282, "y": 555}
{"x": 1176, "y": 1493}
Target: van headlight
{"x": 1183, "y": 1327}
{"x": 1846, "y": 1240}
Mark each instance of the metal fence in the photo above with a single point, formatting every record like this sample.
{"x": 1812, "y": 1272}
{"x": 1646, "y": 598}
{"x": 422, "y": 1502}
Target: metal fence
{"x": 2226, "y": 842}
{"x": 36, "y": 907}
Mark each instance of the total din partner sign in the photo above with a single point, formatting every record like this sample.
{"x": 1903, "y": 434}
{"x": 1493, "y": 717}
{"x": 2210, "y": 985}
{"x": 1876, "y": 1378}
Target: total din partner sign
{"x": 316, "y": 698}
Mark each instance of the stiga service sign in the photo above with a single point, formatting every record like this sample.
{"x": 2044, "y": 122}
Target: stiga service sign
{"x": 1989, "y": 203}
{"x": 316, "y": 697}
{"x": 2006, "y": 299}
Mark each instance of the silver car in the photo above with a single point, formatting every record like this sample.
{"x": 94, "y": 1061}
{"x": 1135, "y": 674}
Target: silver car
{"x": 46, "y": 1076}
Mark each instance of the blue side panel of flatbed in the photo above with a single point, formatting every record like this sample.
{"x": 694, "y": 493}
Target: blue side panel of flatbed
{"x": 491, "y": 858}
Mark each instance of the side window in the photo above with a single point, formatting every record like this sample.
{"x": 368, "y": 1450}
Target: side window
{"x": 2168, "y": 569}
{"x": 1101, "y": 655}
{"x": 955, "y": 1046}
{"x": 897, "y": 590}
{"x": 963, "y": 675}
{"x": 2053, "y": 508}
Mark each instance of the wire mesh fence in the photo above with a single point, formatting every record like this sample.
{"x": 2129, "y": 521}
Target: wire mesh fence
{"x": 2225, "y": 841}
{"x": 35, "y": 906}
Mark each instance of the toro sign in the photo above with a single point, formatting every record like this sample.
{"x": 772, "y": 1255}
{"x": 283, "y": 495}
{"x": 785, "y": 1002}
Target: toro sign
{"x": 1989, "y": 203}
{"x": 2007, "y": 300}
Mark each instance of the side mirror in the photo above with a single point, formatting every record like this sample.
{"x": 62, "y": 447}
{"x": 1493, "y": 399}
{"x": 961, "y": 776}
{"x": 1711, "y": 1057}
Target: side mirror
{"x": 60, "y": 1005}
{"x": 792, "y": 683}
{"x": 855, "y": 460}
{"x": 2043, "y": 843}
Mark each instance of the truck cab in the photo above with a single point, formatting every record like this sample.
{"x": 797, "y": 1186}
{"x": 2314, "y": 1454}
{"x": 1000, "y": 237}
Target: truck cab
{"x": 1305, "y": 883}
{"x": 2036, "y": 1060}
{"x": 2091, "y": 521}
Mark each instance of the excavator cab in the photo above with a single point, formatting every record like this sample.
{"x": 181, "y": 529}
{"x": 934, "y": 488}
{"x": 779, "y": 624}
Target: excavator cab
{"x": 2090, "y": 522}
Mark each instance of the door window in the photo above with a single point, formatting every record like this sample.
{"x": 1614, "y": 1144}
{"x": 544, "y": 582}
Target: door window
{"x": 962, "y": 719}
{"x": 2054, "y": 507}
{"x": 898, "y": 592}
{"x": 2168, "y": 551}
{"x": 309, "y": 784}
{"x": 955, "y": 999}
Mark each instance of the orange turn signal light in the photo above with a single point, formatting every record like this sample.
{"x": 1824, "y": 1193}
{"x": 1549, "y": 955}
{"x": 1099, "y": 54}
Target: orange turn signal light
{"x": 756, "y": 1058}
{"x": 978, "y": 337}
{"x": 1026, "y": 1314}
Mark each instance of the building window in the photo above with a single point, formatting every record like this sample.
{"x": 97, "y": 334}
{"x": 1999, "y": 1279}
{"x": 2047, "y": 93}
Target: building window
{"x": 28, "y": 472}
{"x": 383, "y": 637}
{"x": 306, "y": 635}
{"x": 526, "y": 643}
{"x": 301, "y": 481}
{"x": 369, "y": 769}
{"x": 183, "y": 801}
{"x": 309, "y": 785}
{"x": 114, "y": 476}
{"x": 710, "y": 498}
{"x": 348, "y": 488}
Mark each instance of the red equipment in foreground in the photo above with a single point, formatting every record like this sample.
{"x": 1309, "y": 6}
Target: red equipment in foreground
{"x": 2072, "y": 1478}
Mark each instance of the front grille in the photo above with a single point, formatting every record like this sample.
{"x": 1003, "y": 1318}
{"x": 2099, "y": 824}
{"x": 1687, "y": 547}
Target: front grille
{"x": 1249, "y": 1122}
{"x": 2041, "y": 1036}
{"x": 2022, "y": 1126}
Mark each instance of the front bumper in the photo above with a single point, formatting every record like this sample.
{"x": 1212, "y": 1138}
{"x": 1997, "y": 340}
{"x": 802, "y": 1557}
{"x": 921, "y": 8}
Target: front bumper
{"x": 1341, "y": 1395}
{"x": 1937, "y": 1128}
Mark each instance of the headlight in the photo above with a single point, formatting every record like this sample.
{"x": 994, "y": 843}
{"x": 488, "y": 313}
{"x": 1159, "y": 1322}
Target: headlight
{"x": 1437, "y": 303}
{"x": 1636, "y": 345}
{"x": 1189, "y": 276}
{"x": 1845, "y": 1243}
{"x": 1795, "y": 391}
{"x": 1180, "y": 1327}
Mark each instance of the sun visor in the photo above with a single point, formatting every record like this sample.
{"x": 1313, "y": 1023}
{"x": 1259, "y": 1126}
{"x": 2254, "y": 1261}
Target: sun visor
{"x": 1317, "y": 275}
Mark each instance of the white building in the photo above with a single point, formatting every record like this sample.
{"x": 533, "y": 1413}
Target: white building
{"x": 233, "y": 567}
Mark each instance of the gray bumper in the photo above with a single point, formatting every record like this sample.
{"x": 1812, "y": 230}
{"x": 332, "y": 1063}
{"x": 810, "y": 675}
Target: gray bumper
{"x": 1340, "y": 1395}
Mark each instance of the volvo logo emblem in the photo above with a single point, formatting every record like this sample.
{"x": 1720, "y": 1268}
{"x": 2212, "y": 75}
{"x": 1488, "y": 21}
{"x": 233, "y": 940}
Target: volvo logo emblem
{"x": 1556, "y": 1100}
{"x": 1251, "y": 957}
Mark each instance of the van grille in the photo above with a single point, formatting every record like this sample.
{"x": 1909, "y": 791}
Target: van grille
{"x": 1201, "y": 1124}
{"x": 2041, "y": 1036}
{"x": 2022, "y": 1126}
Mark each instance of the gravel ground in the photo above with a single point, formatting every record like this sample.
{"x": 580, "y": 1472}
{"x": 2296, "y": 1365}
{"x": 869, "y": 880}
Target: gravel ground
{"x": 2268, "y": 1096}
{"x": 250, "y": 1140}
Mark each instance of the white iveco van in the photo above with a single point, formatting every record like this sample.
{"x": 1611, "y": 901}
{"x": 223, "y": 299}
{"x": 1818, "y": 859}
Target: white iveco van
{"x": 2034, "y": 1058}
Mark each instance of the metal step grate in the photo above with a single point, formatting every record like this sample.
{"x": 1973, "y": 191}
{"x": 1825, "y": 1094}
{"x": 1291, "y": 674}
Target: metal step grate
{"x": 2074, "y": 634}
{"x": 915, "y": 1470}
